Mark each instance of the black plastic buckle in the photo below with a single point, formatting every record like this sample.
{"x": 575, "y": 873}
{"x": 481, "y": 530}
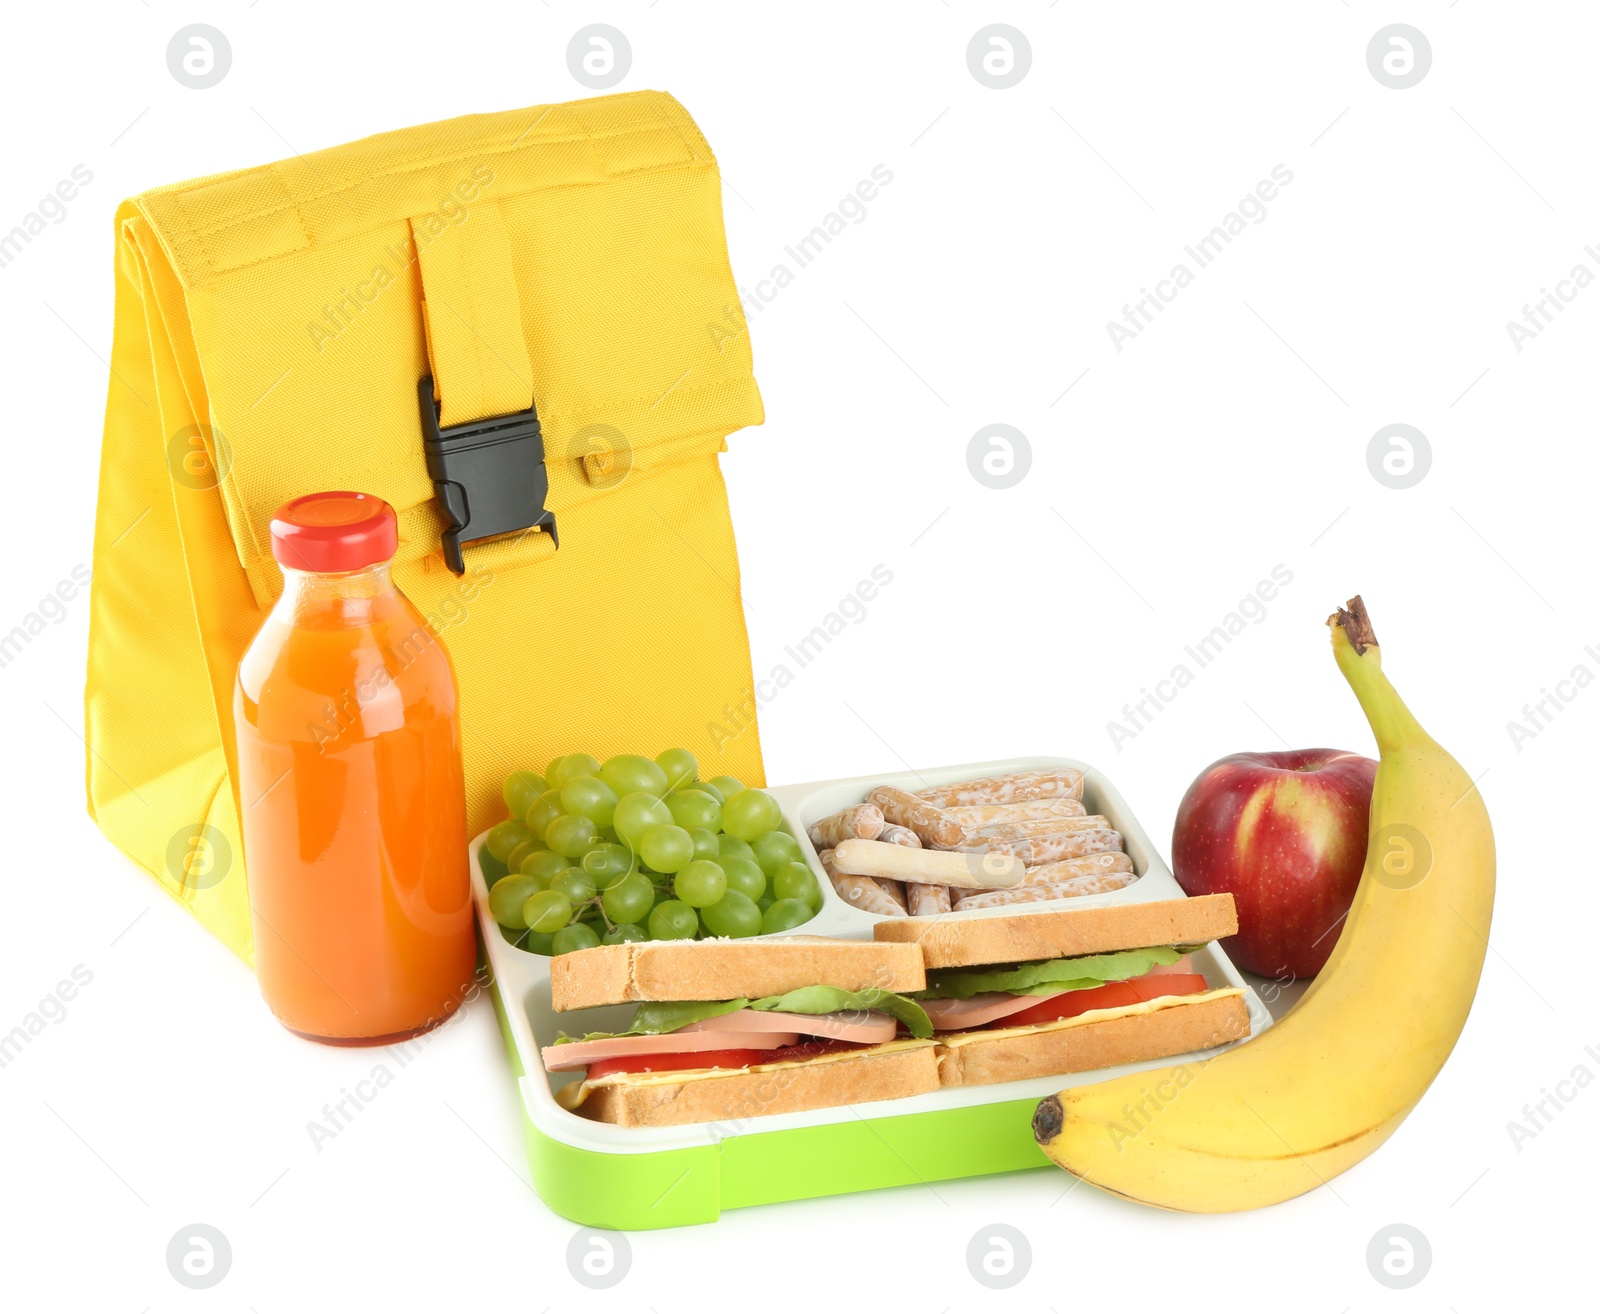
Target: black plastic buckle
{"x": 488, "y": 475}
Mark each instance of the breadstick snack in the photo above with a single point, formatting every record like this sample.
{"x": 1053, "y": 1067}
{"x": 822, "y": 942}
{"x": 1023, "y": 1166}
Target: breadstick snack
{"x": 1072, "y": 887}
{"x": 1094, "y": 864}
{"x": 864, "y": 892}
{"x": 1019, "y": 787}
{"x": 1036, "y": 850}
{"x": 1072, "y": 844}
{"x": 928, "y": 900}
{"x": 1042, "y": 826}
{"x": 860, "y": 822}
{"x": 932, "y": 826}
{"x": 968, "y": 871}
{"x": 902, "y": 835}
{"x": 1039, "y": 809}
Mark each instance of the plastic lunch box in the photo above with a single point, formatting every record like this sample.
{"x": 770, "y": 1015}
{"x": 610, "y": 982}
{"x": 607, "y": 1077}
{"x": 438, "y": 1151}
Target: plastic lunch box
{"x": 638, "y": 1178}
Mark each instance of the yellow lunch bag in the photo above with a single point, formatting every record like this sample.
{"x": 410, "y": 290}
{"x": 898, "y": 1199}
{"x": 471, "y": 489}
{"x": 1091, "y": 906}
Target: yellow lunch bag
{"x": 418, "y": 315}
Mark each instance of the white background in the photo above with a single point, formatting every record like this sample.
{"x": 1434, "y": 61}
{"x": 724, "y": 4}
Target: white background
{"x": 1166, "y": 480}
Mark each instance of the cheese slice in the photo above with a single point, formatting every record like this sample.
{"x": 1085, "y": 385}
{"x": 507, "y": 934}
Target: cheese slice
{"x": 956, "y": 1039}
{"x": 573, "y": 1095}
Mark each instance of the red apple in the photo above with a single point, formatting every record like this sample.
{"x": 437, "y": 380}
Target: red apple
{"x": 1286, "y": 835}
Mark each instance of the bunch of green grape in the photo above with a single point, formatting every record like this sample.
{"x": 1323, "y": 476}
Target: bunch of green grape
{"x": 633, "y": 849}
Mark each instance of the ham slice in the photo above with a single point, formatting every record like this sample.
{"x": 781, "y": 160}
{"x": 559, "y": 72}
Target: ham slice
{"x": 965, "y": 1014}
{"x": 581, "y": 1053}
{"x": 743, "y": 1029}
{"x": 872, "y": 1028}
{"x": 980, "y": 1010}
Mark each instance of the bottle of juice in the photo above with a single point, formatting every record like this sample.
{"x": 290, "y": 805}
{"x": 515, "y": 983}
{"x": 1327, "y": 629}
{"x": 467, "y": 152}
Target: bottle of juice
{"x": 350, "y": 788}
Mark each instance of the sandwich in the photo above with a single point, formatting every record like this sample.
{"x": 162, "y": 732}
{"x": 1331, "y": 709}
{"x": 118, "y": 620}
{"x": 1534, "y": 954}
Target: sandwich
{"x": 1042, "y": 994}
{"x": 730, "y": 1029}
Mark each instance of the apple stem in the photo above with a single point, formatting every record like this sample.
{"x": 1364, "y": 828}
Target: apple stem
{"x": 1355, "y": 648}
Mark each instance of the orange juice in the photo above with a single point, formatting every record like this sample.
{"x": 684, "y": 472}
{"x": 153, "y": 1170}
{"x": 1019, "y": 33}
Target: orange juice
{"x": 350, "y": 788}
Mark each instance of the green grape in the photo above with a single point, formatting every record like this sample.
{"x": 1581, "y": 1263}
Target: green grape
{"x": 744, "y": 876}
{"x": 765, "y": 901}
{"x": 570, "y": 767}
{"x": 520, "y": 854}
{"x": 734, "y": 848}
{"x": 491, "y": 867}
{"x": 673, "y": 921}
{"x": 589, "y": 796}
{"x": 606, "y": 864}
{"x": 775, "y": 848}
{"x": 667, "y": 848}
{"x": 679, "y": 766}
{"x": 507, "y": 898}
{"x": 734, "y": 915}
{"x": 520, "y": 789}
{"x": 608, "y": 834}
{"x": 548, "y": 910}
{"x": 543, "y": 810}
{"x": 691, "y": 809}
{"x": 628, "y": 772}
{"x": 751, "y": 813}
{"x": 570, "y": 836}
{"x": 545, "y": 863}
{"x": 784, "y": 915}
{"x": 636, "y": 812}
{"x": 700, "y": 883}
{"x": 533, "y": 941}
{"x": 573, "y": 883}
{"x": 705, "y": 843}
{"x": 569, "y": 938}
{"x": 795, "y": 880}
{"x": 702, "y": 787}
{"x": 727, "y": 786}
{"x": 631, "y": 899}
{"x": 625, "y": 933}
{"x": 504, "y": 837}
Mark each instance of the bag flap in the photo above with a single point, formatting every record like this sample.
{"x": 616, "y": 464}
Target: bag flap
{"x": 292, "y": 296}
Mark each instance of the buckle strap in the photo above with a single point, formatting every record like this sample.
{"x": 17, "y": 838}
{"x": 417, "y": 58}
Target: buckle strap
{"x": 488, "y": 475}
{"x": 481, "y": 435}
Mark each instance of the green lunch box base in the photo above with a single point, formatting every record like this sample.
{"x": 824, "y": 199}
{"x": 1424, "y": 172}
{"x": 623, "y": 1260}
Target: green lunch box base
{"x": 673, "y": 1188}
{"x": 643, "y": 1178}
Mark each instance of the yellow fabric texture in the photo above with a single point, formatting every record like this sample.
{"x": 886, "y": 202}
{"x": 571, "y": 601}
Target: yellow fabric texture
{"x": 271, "y": 328}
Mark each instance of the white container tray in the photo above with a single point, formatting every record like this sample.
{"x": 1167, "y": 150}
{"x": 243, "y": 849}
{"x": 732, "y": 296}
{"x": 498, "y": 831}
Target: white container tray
{"x": 522, "y": 979}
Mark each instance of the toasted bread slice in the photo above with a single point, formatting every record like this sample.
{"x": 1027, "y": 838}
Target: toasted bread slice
{"x": 1070, "y": 933}
{"x": 727, "y": 969}
{"x": 891, "y": 1071}
{"x": 1157, "y": 1028}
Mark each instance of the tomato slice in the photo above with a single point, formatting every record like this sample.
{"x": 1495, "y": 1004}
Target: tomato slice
{"x": 1114, "y": 994}
{"x": 1160, "y": 984}
{"x": 717, "y": 1058}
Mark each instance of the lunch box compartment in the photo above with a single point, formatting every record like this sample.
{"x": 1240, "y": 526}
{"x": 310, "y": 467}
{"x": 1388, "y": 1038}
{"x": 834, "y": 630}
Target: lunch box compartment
{"x": 649, "y": 1177}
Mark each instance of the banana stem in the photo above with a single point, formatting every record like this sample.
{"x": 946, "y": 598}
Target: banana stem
{"x": 1355, "y": 648}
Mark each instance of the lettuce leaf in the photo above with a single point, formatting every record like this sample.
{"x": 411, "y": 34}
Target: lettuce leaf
{"x": 831, "y": 999}
{"x": 658, "y": 1019}
{"x": 1051, "y": 977}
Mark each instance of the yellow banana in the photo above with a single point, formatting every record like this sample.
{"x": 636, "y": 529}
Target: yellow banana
{"x": 1324, "y": 1087}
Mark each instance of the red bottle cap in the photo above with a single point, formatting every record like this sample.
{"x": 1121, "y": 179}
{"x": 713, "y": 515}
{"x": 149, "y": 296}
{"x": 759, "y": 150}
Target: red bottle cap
{"x": 329, "y": 533}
